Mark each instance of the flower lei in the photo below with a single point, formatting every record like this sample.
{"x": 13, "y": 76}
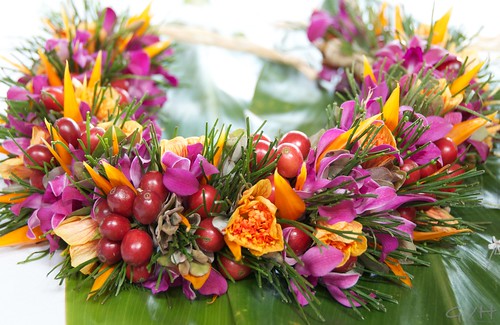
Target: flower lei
{"x": 87, "y": 170}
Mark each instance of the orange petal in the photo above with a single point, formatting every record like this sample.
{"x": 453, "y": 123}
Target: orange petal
{"x": 383, "y": 136}
{"x": 234, "y": 248}
{"x": 301, "y": 179}
{"x": 290, "y": 205}
{"x": 57, "y": 157}
{"x": 390, "y": 111}
{"x": 185, "y": 222}
{"x": 464, "y": 80}
{"x": 382, "y": 20}
{"x": 77, "y": 230}
{"x": 116, "y": 149}
{"x": 367, "y": 70}
{"x": 197, "y": 281}
{"x": 156, "y": 48}
{"x": 440, "y": 28}
{"x": 71, "y": 107}
{"x": 95, "y": 77}
{"x": 116, "y": 177}
{"x": 54, "y": 79}
{"x": 13, "y": 198}
{"x": 100, "y": 280}
{"x": 341, "y": 141}
{"x": 60, "y": 149}
{"x": 398, "y": 23}
{"x": 20, "y": 237}
{"x": 2, "y": 150}
{"x": 437, "y": 235}
{"x": 23, "y": 69}
{"x": 397, "y": 269}
{"x": 99, "y": 181}
{"x": 463, "y": 130}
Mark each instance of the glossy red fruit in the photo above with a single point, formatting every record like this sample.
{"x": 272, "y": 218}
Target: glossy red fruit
{"x": 260, "y": 137}
{"x": 137, "y": 247}
{"x": 108, "y": 251}
{"x": 153, "y": 181}
{"x": 272, "y": 196}
{"x": 101, "y": 210}
{"x": 36, "y": 179}
{"x": 203, "y": 201}
{"x": 261, "y": 149}
{"x": 449, "y": 150}
{"x": 349, "y": 265}
{"x": 53, "y": 98}
{"x": 298, "y": 240}
{"x": 210, "y": 238}
{"x": 299, "y": 139}
{"x": 428, "y": 170}
{"x": 137, "y": 274}
{"x": 40, "y": 155}
{"x": 121, "y": 200}
{"x": 124, "y": 96}
{"x": 94, "y": 134}
{"x": 454, "y": 171}
{"x": 231, "y": 269}
{"x": 69, "y": 130}
{"x": 120, "y": 83}
{"x": 147, "y": 206}
{"x": 114, "y": 227}
{"x": 409, "y": 213}
{"x": 412, "y": 174}
{"x": 290, "y": 161}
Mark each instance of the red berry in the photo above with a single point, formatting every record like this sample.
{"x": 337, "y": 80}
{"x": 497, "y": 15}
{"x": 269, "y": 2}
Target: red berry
{"x": 412, "y": 175}
{"x": 203, "y": 201}
{"x": 94, "y": 134}
{"x": 108, "y": 251}
{"x": 121, "y": 200}
{"x": 231, "y": 269}
{"x": 409, "y": 213}
{"x": 260, "y": 137}
{"x": 299, "y": 139}
{"x": 40, "y": 155}
{"x": 137, "y": 247}
{"x": 290, "y": 161}
{"x": 298, "y": 240}
{"x": 428, "y": 170}
{"x": 146, "y": 207}
{"x": 273, "y": 188}
{"x": 137, "y": 274}
{"x": 449, "y": 150}
{"x": 53, "y": 98}
{"x": 153, "y": 181}
{"x": 454, "y": 171}
{"x": 114, "y": 227}
{"x": 349, "y": 265}
{"x": 69, "y": 130}
{"x": 101, "y": 210}
{"x": 263, "y": 153}
{"x": 36, "y": 179}
{"x": 210, "y": 238}
{"x": 124, "y": 96}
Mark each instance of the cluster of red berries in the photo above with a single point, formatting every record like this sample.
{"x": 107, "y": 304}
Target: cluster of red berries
{"x": 115, "y": 213}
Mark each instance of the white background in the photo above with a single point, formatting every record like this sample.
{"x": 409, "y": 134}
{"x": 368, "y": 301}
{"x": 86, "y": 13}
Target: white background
{"x": 27, "y": 294}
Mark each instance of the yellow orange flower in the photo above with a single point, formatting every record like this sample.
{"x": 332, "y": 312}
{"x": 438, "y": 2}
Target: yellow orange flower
{"x": 80, "y": 232}
{"x": 14, "y": 166}
{"x": 253, "y": 225}
{"x": 350, "y": 244}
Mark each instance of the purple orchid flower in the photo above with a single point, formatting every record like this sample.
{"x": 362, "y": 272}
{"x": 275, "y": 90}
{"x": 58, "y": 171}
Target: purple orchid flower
{"x": 182, "y": 174}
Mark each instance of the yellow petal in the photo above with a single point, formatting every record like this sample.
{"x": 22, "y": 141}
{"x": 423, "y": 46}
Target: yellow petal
{"x": 99, "y": 181}
{"x": 301, "y": 179}
{"x": 77, "y": 230}
{"x": 57, "y": 157}
{"x": 397, "y": 269}
{"x": 114, "y": 139}
{"x": 398, "y": 23}
{"x": 290, "y": 205}
{"x": 463, "y": 130}
{"x": 60, "y": 149}
{"x": 156, "y": 48}
{"x": 82, "y": 253}
{"x": 22, "y": 68}
{"x": 20, "y": 237}
{"x": 382, "y": 20}
{"x": 71, "y": 107}
{"x": 367, "y": 70}
{"x": 220, "y": 146}
{"x": 101, "y": 279}
{"x": 54, "y": 79}
{"x": 341, "y": 141}
{"x": 440, "y": 28}
{"x": 116, "y": 177}
{"x": 14, "y": 166}
{"x": 390, "y": 111}
{"x": 235, "y": 248}
{"x": 95, "y": 77}
{"x": 464, "y": 80}
{"x": 261, "y": 188}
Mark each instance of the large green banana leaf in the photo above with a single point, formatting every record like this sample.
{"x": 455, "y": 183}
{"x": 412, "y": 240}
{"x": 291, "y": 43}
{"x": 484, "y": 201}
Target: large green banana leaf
{"x": 460, "y": 287}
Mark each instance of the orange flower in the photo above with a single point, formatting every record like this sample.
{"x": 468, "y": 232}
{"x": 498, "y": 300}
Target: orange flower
{"x": 253, "y": 225}
{"x": 350, "y": 244}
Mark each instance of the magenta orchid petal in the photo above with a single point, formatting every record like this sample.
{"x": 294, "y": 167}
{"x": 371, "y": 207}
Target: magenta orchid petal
{"x": 139, "y": 63}
{"x": 389, "y": 244}
{"x": 426, "y": 154}
{"x": 109, "y": 20}
{"x": 341, "y": 280}
{"x": 39, "y": 82}
{"x": 319, "y": 261}
{"x": 171, "y": 160}
{"x": 327, "y": 138}
{"x": 320, "y": 21}
{"x": 343, "y": 211}
{"x": 453, "y": 117}
{"x": 18, "y": 94}
{"x": 301, "y": 299}
{"x": 34, "y": 201}
{"x": 482, "y": 148}
{"x": 385, "y": 194}
{"x": 216, "y": 284}
{"x": 136, "y": 171}
{"x": 348, "y": 109}
{"x": 340, "y": 296}
{"x": 13, "y": 145}
{"x": 439, "y": 127}
{"x": 188, "y": 290}
{"x": 202, "y": 166}
{"x": 180, "y": 181}
{"x": 402, "y": 199}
